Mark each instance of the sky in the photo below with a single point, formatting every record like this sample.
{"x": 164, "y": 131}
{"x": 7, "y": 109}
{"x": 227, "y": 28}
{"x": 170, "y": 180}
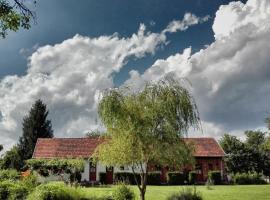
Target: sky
{"x": 77, "y": 49}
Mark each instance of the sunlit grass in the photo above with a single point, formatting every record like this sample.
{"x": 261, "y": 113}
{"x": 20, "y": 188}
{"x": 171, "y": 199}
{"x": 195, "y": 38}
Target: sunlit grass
{"x": 243, "y": 192}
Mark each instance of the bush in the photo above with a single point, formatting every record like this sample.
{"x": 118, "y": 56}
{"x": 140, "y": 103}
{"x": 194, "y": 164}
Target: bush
{"x": 30, "y": 181}
{"x": 54, "y": 191}
{"x": 126, "y": 177}
{"x": 13, "y": 191}
{"x": 192, "y": 177}
{"x": 215, "y": 177}
{"x": 153, "y": 178}
{"x": 123, "y": 192}
{"x": 9, "y": 174}
{"x": 186, "y": 194}
{"x": 248, "y": 178}
{"x": 176, "y": 178}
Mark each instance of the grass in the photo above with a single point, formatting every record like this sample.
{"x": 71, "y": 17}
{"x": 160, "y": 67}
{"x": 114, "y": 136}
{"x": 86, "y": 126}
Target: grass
{"x": 235, "y": 192}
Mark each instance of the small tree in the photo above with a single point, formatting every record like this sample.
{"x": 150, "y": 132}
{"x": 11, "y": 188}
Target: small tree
{"x": 146, "y": 127}
{"x": 35, "y": 125}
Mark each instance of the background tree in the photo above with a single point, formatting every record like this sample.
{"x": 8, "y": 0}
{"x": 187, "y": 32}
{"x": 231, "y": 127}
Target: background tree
{"x": 249, "y": 155}
{"x": 146, "y": 127}
{"x": 11, "y": 159}
{"x": 236, "y": 154}
{"x": 35, "y": 125}
{"x": 94, "y": 133}
{"x": 1, "y": 147}
{"x": 15, "y": 14}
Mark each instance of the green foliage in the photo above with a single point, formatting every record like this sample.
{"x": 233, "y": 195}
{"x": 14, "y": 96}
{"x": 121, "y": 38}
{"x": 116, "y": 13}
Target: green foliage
{"x": 186, "y": 194}
{"x": 254, "y": 138}
{"x": 12, "y": 159}
{"x": 192, "y": 177}
{"x": 250, "y": 155}
{"x": 54, "y": 191}
{"x": 1, "y": 147}
{"x": 30, "y": 182}
{"x": 46, "y": 166}
{"x": 153, "y": 178}
{"x": 95, "y": 133}
{"x": 146, "y": 126}
{"x": 9, "y": 174}
{"x": 10, "y": 190}
{"x": 56, "y": 164}
{"x": 60, "y": 191}
{"x": 176, "y": 178}
{"x": 215, "y": 177}
{"x": 15, "y": 15}
{"x": 123, "y": 192}
{"x": 127, "y": 177}
{"x": 248, "y": 178}
{"x": 35, "y": 125}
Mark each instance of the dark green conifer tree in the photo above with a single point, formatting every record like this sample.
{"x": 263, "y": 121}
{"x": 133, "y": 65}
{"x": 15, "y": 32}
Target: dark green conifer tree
{"x": 35, "y": 125}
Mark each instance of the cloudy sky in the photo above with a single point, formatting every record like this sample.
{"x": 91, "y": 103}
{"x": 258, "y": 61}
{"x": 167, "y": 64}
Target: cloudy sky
{"x": 77, "y": 49}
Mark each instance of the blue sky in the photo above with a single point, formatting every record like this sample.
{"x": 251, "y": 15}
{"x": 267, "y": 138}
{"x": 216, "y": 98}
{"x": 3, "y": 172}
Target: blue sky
{"x": 79, "y": 48}
{"x": 58, "y": 20}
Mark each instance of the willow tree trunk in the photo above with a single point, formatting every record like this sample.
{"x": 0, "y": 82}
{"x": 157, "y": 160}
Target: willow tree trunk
{"x": 143, "y": 184}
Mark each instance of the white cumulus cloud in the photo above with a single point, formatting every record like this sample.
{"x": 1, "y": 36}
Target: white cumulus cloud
{"x": 230, "y": 77}
{"x": 69, "y": 77}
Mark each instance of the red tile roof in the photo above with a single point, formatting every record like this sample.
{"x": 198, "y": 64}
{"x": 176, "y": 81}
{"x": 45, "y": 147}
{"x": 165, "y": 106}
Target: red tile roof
{"x": 205, "y": 147}
{"x": 65, "y": 147}
{"x": 84, "y": 147}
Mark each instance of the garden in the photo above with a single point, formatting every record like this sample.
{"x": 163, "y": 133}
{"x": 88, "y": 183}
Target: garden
{"x": 16, "y": 186}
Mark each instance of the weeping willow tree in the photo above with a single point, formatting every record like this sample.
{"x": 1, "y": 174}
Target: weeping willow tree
{"x": 146, "y": 127}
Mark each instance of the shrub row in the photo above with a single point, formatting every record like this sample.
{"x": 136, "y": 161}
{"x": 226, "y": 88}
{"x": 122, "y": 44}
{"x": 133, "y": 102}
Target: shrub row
{"x": 60, "y": 191}
{"x": 177, "y": 178}
{"x": 153, "y": 178}
{"x": 248, "y": 178}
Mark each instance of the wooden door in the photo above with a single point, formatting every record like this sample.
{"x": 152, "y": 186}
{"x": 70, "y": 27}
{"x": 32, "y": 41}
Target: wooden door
{"x": 109, "y": 175}
{"x": 92, "y": 172}
{"x": 199, "y": 172}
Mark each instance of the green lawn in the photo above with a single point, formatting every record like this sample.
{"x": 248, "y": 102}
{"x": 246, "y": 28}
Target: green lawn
{"x": 246, "y": 192}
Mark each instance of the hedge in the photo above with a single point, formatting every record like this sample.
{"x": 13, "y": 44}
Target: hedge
{"x": 176, "y": 178}
{"x": 154, "y": 178}
{"x": 248, "y": 178}
{"x": 215, "y": 177}
{"x": 126, "y": 177}
{"x": 192, "y": 177}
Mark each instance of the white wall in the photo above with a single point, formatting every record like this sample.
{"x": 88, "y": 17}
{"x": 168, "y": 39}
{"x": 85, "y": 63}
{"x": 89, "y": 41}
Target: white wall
{"x": 85, "y": 174}
{"x": 102, "y": 168}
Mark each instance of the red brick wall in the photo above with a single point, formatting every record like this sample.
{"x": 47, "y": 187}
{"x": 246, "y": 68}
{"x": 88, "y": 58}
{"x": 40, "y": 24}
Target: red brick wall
{"x": 210, "y": 164}
{"x": 205, "y": 163}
